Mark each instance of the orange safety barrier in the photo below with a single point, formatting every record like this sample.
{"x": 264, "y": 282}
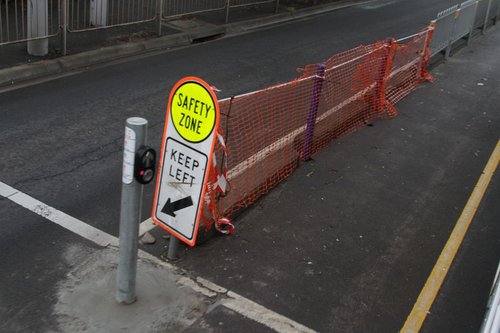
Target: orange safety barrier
{"x": 264, "y": 135}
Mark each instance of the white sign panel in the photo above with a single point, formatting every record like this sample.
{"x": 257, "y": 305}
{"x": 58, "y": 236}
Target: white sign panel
{"x": 188, "y": 142}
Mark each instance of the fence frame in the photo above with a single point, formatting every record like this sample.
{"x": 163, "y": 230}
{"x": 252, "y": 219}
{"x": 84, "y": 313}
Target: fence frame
{"x": 302, "y": 134}
{"x": 24, "y": 20}
{"x": 65, "y": 17}
{"x": 454, "y": 34}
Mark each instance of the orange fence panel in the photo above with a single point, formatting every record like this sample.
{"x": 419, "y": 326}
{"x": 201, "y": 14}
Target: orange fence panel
{"x": 267, "y": 133}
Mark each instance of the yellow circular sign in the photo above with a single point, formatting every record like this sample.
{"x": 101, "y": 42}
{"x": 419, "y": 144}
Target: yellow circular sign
{"x": 193, "y": 111}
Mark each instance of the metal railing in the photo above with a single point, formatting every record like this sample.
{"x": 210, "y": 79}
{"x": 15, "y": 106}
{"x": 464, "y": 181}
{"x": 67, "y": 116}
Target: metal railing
{"x": 85, "y": 15}
{"x": 24, "y": 20}
{"x": 459, "y": 21}
{"x": 177, "y": 8}
{"x": 37, "y": 20}
{"x": 488, "y": 11}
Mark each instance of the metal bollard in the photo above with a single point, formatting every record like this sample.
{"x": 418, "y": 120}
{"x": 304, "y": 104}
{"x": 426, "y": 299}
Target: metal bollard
{"x": 130, "y": 214}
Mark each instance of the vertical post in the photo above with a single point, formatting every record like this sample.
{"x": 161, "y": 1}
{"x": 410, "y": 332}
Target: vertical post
{"x": 485, "y": 24}
{"x": 228, "y": 5}
{"x": 313, "y": 112}
{"x": 473, "y": 19}
{"x": 380, "y": 101}
{"x": 64, "y": 26}
{"x": 426, "y": 53}
{"x": 173, "y": 245}
{"x": 38, "y": 27}
{"x": 99, "y": 13}
{"x": 159, "y": 9}
{"x": 277, "y": 6}
{"x": 497, "y": 15}
{"x": 452, "y": 33}
{"x": 130, "y": 214}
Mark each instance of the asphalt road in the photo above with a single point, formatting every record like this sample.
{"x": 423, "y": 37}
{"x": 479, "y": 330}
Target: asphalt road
{"x": 62, "y": 143}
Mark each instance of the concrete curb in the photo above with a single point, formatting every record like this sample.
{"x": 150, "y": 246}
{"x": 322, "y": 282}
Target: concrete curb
{"x": 39, "y": 69}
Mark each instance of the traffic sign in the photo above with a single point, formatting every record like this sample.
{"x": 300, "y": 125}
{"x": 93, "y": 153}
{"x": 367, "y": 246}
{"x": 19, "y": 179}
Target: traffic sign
{"x": 191, "y": 124}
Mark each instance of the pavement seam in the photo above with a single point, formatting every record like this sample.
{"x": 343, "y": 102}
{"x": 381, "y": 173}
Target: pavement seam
{"x": 18, "y": 74}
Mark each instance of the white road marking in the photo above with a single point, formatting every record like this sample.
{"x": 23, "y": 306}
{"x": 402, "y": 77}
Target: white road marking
{"x": 234, "y": 302}
{"x": 64, "y": 220}
{"x": 263, "y": 315}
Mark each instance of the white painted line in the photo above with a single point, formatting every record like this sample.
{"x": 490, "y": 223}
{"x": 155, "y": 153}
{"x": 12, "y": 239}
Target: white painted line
{"x": 263, "y": 315}
{"x": 68, "y": 222}
{"x": 6, "y": 191}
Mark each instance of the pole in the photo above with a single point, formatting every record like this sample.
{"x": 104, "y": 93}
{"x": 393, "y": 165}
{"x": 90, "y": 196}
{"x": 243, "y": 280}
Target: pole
{"x": 130, "y": 214}
{"x": 469, "y": 36}
{"x": 485, "y": 24}
{"x": 497, "y": 15}
{"x": 447, "y": 52}
{"x": 313, "y": 112}
{"x": 173, "y": 245}
{"x": 228, "y": 6}
{"x": 38, "y": 27}
{"x": 64, "y": 26}
{"x": 159, "y": 8}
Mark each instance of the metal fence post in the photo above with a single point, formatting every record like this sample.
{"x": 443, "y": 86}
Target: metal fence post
{"x": 159, "y": 8}
{"x": 485, "y": 24}
{"x": 64, "y": 26}
{"x": 228, "y": 5}
{"x": 313, "y": 112}
{"x": 277, "y": 6}
{"x": 473, "y": 19}
{"x": 450, "y": 39}
{"x": 130, "y": 214}
{"x": 497, "y": 15}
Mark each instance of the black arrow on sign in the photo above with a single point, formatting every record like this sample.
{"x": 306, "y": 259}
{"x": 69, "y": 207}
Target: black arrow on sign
{"x": 171, "y": 207}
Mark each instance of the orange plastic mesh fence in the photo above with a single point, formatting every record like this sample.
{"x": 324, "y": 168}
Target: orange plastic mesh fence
{"x": 268, "y": 132}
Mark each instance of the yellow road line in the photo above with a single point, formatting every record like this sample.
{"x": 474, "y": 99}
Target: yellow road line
{"x": 429, "y": 292}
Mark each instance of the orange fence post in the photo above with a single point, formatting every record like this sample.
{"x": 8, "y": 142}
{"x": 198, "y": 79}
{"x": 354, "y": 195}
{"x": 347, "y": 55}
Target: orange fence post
{"x": 387, "y": 59}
